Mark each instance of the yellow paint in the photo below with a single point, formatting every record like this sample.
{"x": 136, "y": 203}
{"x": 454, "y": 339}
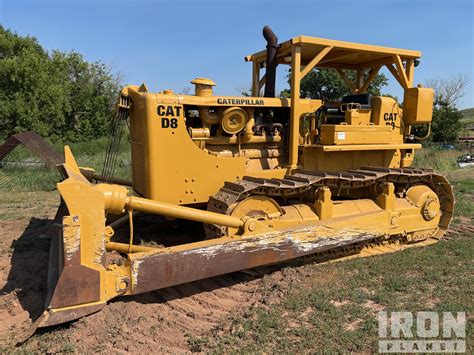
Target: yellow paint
{"x": 418, "y": 105}
{"x": 183, "y": 165}
{"x": 185, "y": 147}
{"x": 357, "y": 134}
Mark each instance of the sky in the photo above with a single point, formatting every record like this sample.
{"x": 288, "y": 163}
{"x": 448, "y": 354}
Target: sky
{"x": 166, "y": 44}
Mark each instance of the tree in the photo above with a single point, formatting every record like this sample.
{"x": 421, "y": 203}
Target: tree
{"x": 91, "y": 92}
{"x": 449, "y": 90}
{"x": 245, "y": 90}
{"x": 322, "y": 83}
{"x": 446, "y": 123}
{"x": 60, "y": 96}
{"x": 30, "y": 95}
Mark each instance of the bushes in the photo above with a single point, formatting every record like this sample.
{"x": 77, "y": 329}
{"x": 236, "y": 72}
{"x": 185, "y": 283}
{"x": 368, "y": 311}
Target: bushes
{"x": 58, "y": 95}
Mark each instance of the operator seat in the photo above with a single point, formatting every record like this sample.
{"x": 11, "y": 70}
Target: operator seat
{"x": 362, "y": 99}
{"x": 336, "y": 116}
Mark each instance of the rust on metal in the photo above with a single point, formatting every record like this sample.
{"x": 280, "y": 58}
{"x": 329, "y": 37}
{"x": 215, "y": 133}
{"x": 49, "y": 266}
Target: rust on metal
{"x": 76, "y": 285}
{"x": 272, "y": 48}
{"x": 73, "y": 283}
{"x": 184, "y": 266}
{"x": 49, "y": 318}
{"x": 56, "y": 225}
{"x": 36, "y": 144}
{"x": 92, "y": 175}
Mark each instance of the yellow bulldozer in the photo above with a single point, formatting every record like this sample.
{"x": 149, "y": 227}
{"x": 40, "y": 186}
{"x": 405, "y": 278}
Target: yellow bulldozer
{"x": 268, "y": 179}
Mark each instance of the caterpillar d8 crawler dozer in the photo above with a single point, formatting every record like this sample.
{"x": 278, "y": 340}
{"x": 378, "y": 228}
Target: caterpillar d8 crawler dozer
{"x": 268, "y": 178}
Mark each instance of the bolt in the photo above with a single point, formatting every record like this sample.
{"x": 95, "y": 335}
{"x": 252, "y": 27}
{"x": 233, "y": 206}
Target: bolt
{"x": 122, "y": 285}
{"x": 109, "y": 232}
{"x": 252, "y": 226}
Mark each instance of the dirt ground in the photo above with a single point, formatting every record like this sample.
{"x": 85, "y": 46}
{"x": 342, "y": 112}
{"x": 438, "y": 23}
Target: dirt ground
{"x": 172, "y": 320}
{"x": 166, "y": 320}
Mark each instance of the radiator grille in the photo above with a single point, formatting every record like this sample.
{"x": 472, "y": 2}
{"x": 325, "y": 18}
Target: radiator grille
{"x": 137, "y": 137}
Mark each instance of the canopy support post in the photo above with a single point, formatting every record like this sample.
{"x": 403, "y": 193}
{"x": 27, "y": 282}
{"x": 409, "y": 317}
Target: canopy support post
{"x": 255, "y": 79}
{"x": 295, "y": 107}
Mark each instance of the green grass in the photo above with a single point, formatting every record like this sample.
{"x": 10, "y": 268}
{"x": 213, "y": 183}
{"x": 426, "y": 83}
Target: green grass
{"x": 464, "y": 191}
{"x": 436, "y": 158}
{"x": 26, "y": 204}
{"x": 334, "y": 306}
{"x": 468, "y": 115}
{"x": 40, "y": 178}
{"x": 341, "y": 314}
{"x": 467, "y": 122}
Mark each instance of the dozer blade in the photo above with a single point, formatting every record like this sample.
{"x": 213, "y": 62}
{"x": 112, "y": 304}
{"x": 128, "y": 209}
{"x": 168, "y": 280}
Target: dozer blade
{"x": 72, "y": 288}
{"x": 80, "y": 282}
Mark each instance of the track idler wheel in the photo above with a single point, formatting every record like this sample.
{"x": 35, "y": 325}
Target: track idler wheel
{"x": 426, "y": 200}
{"x": 259, "y": 208}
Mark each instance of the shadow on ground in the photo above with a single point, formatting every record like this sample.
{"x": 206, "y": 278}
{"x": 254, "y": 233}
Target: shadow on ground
{"x": 27, "y": 277}
{"x": 29, "y": 267}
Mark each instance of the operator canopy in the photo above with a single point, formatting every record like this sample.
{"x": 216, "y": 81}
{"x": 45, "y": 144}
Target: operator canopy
{"x": 340, "y": 54}
{"x": 312, "y": 52}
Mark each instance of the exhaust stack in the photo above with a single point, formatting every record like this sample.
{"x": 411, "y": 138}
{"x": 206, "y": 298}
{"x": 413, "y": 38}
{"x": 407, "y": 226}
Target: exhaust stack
{"x": 272, "y": 47}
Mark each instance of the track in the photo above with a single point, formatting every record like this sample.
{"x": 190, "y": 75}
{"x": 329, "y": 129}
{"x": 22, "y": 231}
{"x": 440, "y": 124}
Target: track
{"x": 303, "y": 185}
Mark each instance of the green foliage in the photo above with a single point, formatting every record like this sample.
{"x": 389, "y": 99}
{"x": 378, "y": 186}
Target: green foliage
{"x": 327, "y": 84}
{"x": 468, "y": 115}
{"x": 446, "y": 124}
{"x": 245, "y": 90}
{"x": 58, "y": 95}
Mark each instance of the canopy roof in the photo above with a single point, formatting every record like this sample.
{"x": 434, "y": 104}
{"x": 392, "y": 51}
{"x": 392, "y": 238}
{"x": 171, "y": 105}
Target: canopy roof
{"x": 340, "y": 55}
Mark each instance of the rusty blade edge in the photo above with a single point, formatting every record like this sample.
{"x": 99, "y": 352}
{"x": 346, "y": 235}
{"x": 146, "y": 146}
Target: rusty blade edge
{"x": 49, "y": 318}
